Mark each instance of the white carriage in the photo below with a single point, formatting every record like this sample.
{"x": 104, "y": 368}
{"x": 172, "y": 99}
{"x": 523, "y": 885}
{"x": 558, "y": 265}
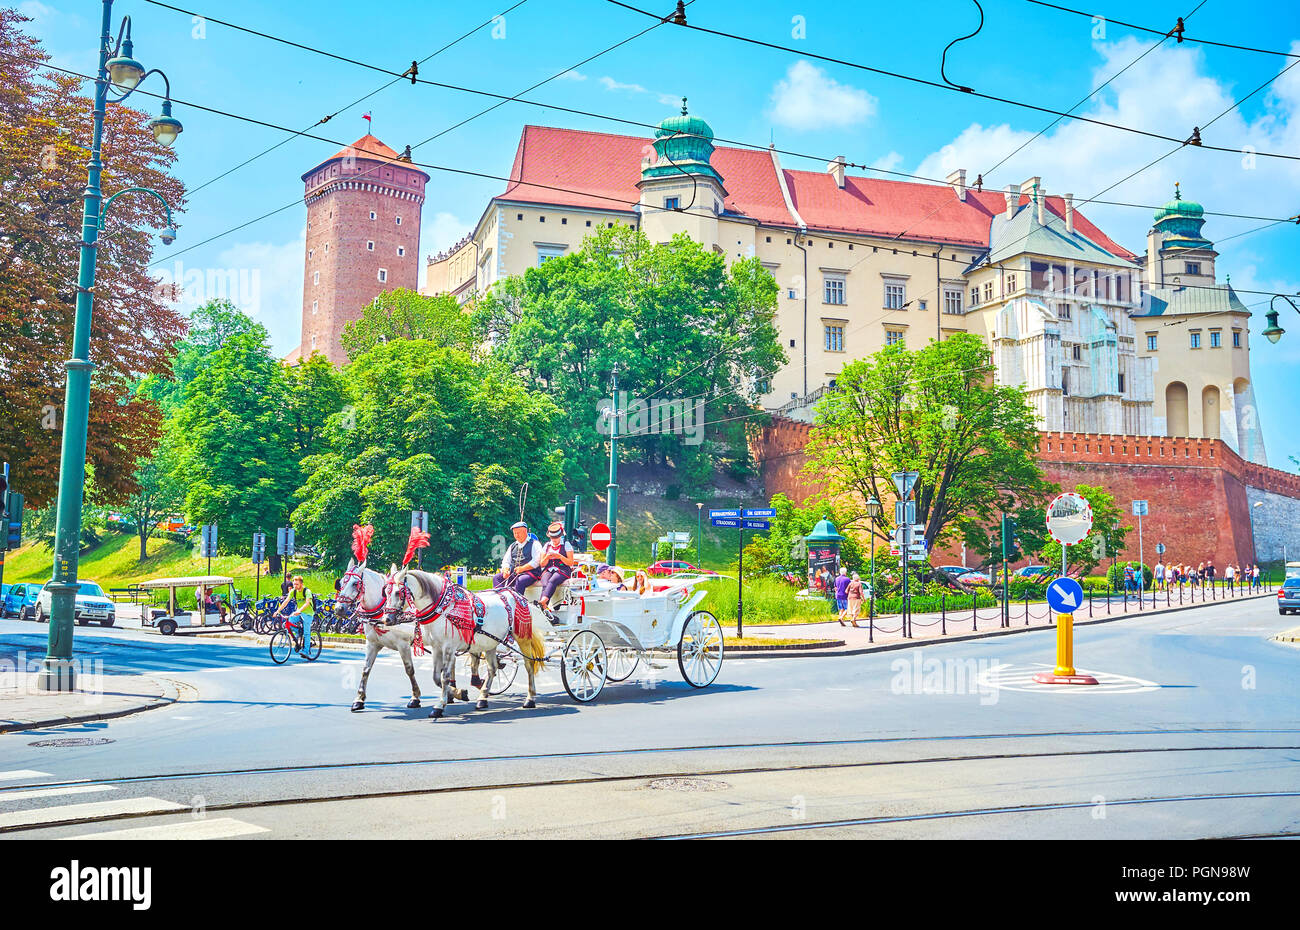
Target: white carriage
{"x": 602, "y": 634}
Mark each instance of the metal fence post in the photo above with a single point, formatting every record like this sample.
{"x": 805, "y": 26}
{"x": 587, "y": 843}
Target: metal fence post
{"x": 1027, "y": 607}
{"x": 974, "y": 615}
{"x": 943, "y": 614}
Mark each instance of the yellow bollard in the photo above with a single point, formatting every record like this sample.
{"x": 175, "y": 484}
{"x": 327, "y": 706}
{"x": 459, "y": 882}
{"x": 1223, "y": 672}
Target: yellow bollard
{"x": 1064, "y": 644}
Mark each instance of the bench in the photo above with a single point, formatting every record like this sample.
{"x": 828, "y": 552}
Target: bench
{"x": 130, "y": 593}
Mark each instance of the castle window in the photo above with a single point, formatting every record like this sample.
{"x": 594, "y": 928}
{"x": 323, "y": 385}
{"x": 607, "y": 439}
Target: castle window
{"x": 892, "y": 336}
{"x": 310, "y": 253}
{"x": 974, "y": 296}
{"x": 313, "y": 340}
{"x": 833, "y": 289}
{"x": 1063, "y": 311}
{"x": 372, "y": 214}
{"x": 315, "y": 278}
{"x": 895, "y": 295}
{"x": 792, "y": 343}
{"x": 401, "y": 251}
{"x": 547, "y": 252}
{"x": 327, "y": 248}
{"x": 520, "y": 216}
{"x": 1011, "y": 284}
{"x": 922, "y": 305}
{"x": 609, "y": 225}
{"x": 834, "y": 337}
{"x": 383, "y": 275}
{"x": 850, "y": 246}
{"x": 988, "y": 291}
{"x": 370, "y": 246}
{"x": 952, "y": 301}
{"x": 399, "y": 221}
{"x": 1121, "y": 382}
{"x": 1076, "y": 352}
{"x": 588, "y": 222}
{"x": 1151, "y": 342}
{"x": 313, "y": 306}
{"x": 792, "y": 295}
{"x": 769, "y": 238}
{"x": 1196, "y": 340}
{"x": 541, "y": 219}
{"x": 564, "y": 221}
{"x": 1193, "y": 267}
{"x": 672, "y": 203}
{"x": 1216, "y": 338}
{"x": 1065, "y": 382}
{"x": 1236, "y": 339}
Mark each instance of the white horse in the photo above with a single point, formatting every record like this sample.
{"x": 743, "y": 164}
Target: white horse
{"x": 364, "y": 589}
{"x": 452, "y": 619}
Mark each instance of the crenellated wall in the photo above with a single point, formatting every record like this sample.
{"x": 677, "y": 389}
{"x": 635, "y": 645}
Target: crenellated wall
{"x": 1202, "y": 496}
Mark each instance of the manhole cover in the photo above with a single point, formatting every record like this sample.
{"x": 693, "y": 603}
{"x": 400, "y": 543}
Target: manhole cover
{"x": 688, "y": 784}
{"x": 72, "y": 741}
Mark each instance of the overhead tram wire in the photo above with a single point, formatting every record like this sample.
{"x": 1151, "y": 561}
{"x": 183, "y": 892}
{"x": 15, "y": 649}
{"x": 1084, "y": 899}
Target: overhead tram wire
{"x": 1181, "y": 37}
{"x": 325, "y": 119}
{"x": 630, "y": 122}
{"x": 949, "y": 88}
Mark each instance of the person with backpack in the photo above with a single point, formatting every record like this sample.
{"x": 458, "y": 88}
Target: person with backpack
{"x": 305, "y": 607}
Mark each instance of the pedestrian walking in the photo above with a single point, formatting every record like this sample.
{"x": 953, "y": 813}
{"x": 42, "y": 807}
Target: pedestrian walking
{"x": 1255, "y": 575}
{"x": 1128, "y": 577}
{"x": 1200, "y": 574}
{"x": 842, "y": 593}
{"x": 1159, "y": 574}
{"x": 1209, "y": 571}
{"x": 1229, "y": 574}
{"x": 856, "y": 597}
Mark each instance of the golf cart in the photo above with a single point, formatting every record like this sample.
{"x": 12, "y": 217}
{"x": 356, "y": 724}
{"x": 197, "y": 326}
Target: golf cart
{"x": 169, "y": 618}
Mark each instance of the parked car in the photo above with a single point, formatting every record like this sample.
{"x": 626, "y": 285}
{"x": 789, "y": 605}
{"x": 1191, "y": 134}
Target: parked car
{"x": 91, "y": 604}
{"x": 963, "y": 574}
{"x": 1034, "y": 572}
{"x": 1288, "y": 596}
{"x": 20, "y": 601}
{"x": 664, "y": 568}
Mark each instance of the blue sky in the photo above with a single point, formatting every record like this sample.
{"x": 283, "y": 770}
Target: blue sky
{"x": 1025, "y": 52}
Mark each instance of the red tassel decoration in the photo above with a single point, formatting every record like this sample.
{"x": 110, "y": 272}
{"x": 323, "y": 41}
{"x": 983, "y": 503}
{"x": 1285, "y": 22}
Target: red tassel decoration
{"x": 419, "y": 540}
{"x": 361, "y": 536}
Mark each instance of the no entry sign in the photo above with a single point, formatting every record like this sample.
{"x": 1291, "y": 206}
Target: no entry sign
{"x": 601, "y": 536}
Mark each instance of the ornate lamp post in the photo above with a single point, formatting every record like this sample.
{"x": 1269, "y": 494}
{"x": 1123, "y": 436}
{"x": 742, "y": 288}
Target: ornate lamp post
{"x": 874, "y": 511}
{"x": 119, "y": 71}
{"x": 1273, "y": 332}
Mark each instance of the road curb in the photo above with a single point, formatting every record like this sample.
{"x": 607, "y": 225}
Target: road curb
{"x": 982, "y": 634}
{"x": 171, "y": 694}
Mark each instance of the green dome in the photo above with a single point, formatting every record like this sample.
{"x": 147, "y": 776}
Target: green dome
{"x": 824, "y": 532}
{"x": 683, "y": 144}
{"x": 1180, "y": 208}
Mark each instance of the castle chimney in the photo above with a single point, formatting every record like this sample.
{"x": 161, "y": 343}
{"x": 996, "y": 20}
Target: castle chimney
{"x": 1013, "y": 198}
{"x": 1030, "y": 187}
{"x": 836, "y": 169}
{"x": 1069, "y": 212}
{"x": 958, "y": 181}
{"x": 1041, "y": 197}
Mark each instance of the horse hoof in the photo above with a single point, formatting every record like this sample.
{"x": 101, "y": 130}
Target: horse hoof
{"x": 413, "y": 703}
{"x": 529, "y": 704}
{"x": 435, "y": 713}
{"x": 462, "y": 694}
{"x": 475, "y": 681}
{"x": 359, "y": 705}
{"x": 481, "y": 705}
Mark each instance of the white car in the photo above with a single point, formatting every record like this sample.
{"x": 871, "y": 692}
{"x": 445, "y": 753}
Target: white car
{"x": 91, "y": 604}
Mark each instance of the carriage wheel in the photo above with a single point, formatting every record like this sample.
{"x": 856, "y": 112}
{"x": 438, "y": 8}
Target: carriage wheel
{"x": 584, "y": 666}
{"x": 622, "y": 663}
{"x": 699, "y": 654}
{"x": 506, "y": 672}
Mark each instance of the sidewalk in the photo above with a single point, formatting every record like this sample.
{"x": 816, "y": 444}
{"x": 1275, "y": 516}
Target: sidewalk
{"x": 99, "y": 696}
{"x": 959, "y": 625}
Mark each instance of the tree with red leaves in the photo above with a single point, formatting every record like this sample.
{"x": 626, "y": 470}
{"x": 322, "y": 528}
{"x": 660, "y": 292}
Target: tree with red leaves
{"x": 45, "y": 134}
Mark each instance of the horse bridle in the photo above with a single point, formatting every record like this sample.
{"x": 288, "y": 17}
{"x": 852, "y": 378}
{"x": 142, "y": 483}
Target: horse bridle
{"x": 365, "y": 614}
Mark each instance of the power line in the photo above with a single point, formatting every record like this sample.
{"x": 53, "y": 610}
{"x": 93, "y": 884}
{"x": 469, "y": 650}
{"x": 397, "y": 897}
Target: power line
{"x": 945, "y": 87}
{"x": 1176, "y": 31}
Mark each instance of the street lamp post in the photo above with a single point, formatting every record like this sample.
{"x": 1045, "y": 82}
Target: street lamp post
{"x": 1273, "y": 332}
{"x": 699, "y": 534}
{"x": 874, "y": 510}
{"x": 117, "y": 69}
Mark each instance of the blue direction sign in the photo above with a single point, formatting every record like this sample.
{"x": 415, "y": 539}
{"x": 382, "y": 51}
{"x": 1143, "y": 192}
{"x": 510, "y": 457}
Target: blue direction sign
{"x": 757, "y": 525}
{"x": 734, "y": 523}
{"x": 1065, "y": 595}
{"x": 761, "y": 513}
{"x": 724, "y": 513}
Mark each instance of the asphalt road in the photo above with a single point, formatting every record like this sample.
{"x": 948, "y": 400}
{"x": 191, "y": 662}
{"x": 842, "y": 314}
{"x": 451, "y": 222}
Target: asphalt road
{"x": 1194, "y": 732}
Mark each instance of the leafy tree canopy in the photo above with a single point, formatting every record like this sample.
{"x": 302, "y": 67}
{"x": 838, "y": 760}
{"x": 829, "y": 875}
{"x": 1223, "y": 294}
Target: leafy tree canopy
{"x": 405, "y": 314}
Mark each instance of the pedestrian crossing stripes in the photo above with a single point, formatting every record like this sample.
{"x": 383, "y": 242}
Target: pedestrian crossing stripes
{"x": 207, "y": 829}
{"x": 32, "y": 793}
{"x": 1007, "y": 677}
{"x": 93, "y": 810}
{"x": 22, "y": 775}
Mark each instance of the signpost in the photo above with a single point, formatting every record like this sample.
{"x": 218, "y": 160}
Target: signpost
{"x": 284, "y": 547}
{"x": 905, "y": 516}
{"x": 1069, "y": 520}
{"x": 259, "y": 553}
{"x": 747, "y": 519}
{"x": 1140, "y": 511}
{"x": 208, "y": 543}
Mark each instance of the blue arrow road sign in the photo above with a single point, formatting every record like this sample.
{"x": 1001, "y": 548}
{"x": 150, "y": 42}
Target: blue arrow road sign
{"x": 723, "y": 513}
{"x": 1065, "y": 595}
{"x": 757, "y": 525}
{"x": 760, "y": 513}
{"x": 725, "y": 521}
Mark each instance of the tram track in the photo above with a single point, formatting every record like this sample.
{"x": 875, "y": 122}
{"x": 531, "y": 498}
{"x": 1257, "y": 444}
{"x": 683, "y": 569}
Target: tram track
{"x": 691, "y": 772}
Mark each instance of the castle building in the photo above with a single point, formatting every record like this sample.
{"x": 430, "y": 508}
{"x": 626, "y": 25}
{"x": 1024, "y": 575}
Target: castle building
{"x": 864, "y": 262}
{"x": 363, "y": 238}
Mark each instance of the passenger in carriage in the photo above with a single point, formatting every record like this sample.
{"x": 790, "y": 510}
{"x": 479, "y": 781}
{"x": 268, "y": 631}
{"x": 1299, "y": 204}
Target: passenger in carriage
{"x": 522, "y": 564}
{"x": 608, "y": 577}
{"x": 558, "y": 560}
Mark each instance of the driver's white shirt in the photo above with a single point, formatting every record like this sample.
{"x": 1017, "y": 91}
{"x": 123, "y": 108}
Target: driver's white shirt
{"x": 532, "y": 550}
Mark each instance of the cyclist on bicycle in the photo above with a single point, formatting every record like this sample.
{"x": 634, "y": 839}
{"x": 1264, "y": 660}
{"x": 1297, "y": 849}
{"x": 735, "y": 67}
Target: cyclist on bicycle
{"x": 299, "y": 590}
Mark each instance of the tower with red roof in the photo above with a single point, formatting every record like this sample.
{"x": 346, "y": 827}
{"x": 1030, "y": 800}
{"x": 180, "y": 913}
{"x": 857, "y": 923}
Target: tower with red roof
{"x": 363, "y": 238}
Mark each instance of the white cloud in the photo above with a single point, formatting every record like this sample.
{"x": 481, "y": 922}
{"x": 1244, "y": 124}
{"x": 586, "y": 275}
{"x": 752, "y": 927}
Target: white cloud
{"x": 571, "y": 76}
{"x": 808, "y": 98}
{"x": 610, "y": 84}
{"x": 443, "y": 229}
{"x": 888, "y": 162}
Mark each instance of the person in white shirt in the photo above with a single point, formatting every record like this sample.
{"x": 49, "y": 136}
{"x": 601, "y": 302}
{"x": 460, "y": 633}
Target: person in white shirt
{"x": 1159, "y": 574}
{"x": 521, "y": 566}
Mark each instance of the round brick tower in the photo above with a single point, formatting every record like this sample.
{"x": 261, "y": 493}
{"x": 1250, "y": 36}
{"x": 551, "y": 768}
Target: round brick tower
{"x": 363, "y": 238}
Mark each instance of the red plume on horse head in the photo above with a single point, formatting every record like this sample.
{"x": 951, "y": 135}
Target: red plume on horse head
{"x": 361, "y": 536}
{"x": 419, "y": 540}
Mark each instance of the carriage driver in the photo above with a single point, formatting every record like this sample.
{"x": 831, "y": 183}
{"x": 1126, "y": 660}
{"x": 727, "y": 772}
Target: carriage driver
{"x": 522, "y": 564}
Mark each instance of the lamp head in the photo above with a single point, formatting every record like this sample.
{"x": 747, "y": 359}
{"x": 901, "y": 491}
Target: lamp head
{"x": 1273, "y": 332}
{"x": 166, "y": 127}
{"x": 124, "y": 71}
{"x": 168, "y": 235}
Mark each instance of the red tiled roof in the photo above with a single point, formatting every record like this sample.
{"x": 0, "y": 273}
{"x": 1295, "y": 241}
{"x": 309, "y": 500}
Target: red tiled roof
{"x": 604, "y": 169}
{"x": 366, "y": 145}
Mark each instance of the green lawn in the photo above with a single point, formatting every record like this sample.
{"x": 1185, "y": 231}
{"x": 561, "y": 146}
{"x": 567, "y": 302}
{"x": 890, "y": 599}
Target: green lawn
{"x": 643, "y": 519}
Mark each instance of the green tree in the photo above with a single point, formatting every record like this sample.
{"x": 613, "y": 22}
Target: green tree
{"x": 1105, "y": 539}
{"x": 234, "y": 442}
{"x": 936, "y": 411}
{"x": 430, "y": 428}
{"x": 159, "y": 496}
{"x": 672, "y": 319}
{"x": 210, "y": 327}
{"x": 405, "y": 314}
{"x": 315, "y": 390}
